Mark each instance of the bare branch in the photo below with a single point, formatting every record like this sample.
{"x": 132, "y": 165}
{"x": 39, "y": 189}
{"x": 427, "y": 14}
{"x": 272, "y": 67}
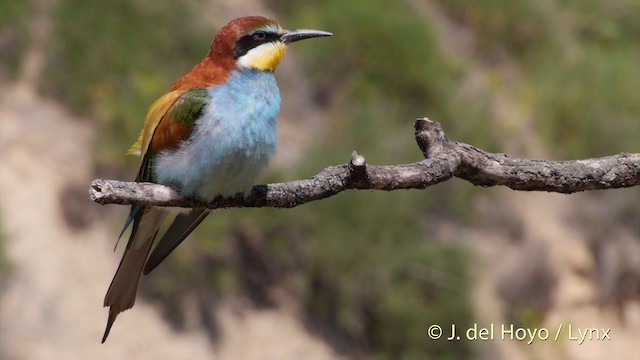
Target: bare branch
{"x": 443, "y": 160}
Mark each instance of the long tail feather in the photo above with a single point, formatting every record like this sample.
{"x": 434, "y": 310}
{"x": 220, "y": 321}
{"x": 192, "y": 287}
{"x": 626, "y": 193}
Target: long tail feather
{"x": 135, "y": 209}
{"x": 181, "y": 227}
{"x": 122, "y": 291}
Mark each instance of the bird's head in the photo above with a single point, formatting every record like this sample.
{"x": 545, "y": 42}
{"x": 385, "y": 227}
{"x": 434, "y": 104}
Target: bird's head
{"x": 256, "y": 42}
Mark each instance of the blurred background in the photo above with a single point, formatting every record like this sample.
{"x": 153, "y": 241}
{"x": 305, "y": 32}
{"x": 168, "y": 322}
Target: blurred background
{"x": 360, "y": 275}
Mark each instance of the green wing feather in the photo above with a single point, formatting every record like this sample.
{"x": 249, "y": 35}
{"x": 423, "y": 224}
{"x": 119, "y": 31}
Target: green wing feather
{"x": 189, "y": 106}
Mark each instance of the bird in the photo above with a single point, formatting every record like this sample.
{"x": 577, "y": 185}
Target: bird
{"x": 210, "y": 135}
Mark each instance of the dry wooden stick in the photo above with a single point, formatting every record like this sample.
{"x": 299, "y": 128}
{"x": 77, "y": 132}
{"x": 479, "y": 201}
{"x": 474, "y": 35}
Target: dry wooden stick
{"x": 444, "y": 159}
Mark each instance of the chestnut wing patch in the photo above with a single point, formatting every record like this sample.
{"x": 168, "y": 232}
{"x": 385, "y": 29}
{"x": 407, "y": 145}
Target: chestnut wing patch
{"x": 173, "y": 127}
{"x": 177, "y": 123}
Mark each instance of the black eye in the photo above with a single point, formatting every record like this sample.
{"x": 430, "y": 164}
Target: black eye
{"x": 259, "y": 36}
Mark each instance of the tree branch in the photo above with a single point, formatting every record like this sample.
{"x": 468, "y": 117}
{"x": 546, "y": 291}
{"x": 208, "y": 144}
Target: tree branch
{"x": 443, "y": 160}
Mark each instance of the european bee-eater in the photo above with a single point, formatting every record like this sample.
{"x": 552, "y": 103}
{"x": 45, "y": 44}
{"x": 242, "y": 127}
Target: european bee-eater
{"x": 210, "y": 135}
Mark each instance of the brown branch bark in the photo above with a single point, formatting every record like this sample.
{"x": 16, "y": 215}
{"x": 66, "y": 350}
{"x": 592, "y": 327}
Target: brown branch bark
{"x": 443, "y": 159}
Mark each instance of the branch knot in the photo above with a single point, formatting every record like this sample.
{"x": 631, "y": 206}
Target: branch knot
{"x": 430, "y": 137}
{"x": 358, "y": 172}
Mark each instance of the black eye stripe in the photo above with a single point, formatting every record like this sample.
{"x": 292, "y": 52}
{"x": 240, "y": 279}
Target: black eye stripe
{"x": 248, "y": 42}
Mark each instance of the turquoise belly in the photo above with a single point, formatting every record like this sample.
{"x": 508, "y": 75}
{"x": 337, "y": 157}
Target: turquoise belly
{"x": 231, "y": 142}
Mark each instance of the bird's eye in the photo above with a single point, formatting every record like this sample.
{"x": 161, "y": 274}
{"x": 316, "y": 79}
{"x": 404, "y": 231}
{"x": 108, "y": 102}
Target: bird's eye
{"x": 259, "y": 35}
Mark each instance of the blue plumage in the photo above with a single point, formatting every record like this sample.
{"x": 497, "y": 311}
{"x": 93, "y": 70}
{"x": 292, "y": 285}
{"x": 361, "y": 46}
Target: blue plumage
{"x": 231, "y": 142}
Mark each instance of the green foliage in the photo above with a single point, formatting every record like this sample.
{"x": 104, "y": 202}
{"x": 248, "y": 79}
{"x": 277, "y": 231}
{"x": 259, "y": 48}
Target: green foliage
{"x": 14, "y": 15}
{"x": 598, "y": 111}
{"x": 588, "y": 96}
{"x": 112, "y": 59}
{"x": 5, "y": 264}
{"x": 371, "y": 270}
{"x": 580, "y": 63}
{"x": 383, "y": 67}
{"x": 522, "y": 28}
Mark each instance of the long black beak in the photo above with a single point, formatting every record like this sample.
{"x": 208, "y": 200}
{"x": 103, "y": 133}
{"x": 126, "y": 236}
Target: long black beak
{"x": 289, "y": 36}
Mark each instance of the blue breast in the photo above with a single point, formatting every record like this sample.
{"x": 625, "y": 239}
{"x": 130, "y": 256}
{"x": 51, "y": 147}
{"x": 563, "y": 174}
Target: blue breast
{"x": 231, "y": 142}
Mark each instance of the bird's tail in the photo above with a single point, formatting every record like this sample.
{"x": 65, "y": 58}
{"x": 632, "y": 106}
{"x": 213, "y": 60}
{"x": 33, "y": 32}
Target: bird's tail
{"x": 180, "y": 228}
{"x": 122, "y": 292}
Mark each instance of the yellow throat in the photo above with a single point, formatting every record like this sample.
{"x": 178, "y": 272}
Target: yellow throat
{"x": 265, "y": 57}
